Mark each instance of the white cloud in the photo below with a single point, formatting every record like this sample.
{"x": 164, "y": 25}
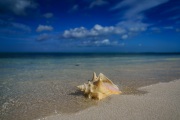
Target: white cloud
{"x": 171, "y": 9}
{"x": 43, "y": 37}
{"x": 48, "y": 15}
{"x": 155, "y": 29}
{"x": 159, "y": 29}
{"x": 132, "y": 11}
{"x": 124, "y": 29}
{"x": 98, "y": 27}
{"x": 176, "y": 17}
{"x": 98, "y": 3}
{"x": 13, "y": 26}
{"x": 105, "y": 42}
{"x": 169, "y": 27}
{"x": 21, "y": 26}
{"x": 17, "y": 6}
{"x": 76, "y": 33}
{"x": 137, "y": 7}
{"x": 74, "y": 8}
{"x": 134, "y": 26}
{"x": 100, "y": 42}
{"x": 97, "y": 30}
{"x": 122, "y": 44}
{"x": 177, "y": 29}
{"x": 41, "y": 28}
{"x": 124, "y": 36}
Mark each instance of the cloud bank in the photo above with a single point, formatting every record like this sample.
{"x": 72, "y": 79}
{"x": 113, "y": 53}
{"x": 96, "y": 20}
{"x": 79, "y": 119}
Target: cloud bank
{"x": 122, "y": 29}
{"x": 97, "y": 30}
{"x": 100, "y": 35}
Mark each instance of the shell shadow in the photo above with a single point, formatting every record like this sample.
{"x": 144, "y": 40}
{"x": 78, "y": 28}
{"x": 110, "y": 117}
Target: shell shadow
{"x": 77, "y": 93}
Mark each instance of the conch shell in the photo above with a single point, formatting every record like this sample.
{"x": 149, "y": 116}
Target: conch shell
{"x": 99, "y": 87}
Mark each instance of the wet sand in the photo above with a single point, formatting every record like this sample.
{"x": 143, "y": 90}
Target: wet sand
{"x": 160, "y": 103}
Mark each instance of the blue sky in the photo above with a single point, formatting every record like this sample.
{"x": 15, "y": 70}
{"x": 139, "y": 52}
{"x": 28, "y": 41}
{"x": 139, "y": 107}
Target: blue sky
{"x": 89, "y": 26}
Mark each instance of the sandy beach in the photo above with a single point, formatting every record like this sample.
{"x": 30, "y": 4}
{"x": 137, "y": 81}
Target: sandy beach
{"x": 45, "y": 87}
{"x": 161, "y": 102}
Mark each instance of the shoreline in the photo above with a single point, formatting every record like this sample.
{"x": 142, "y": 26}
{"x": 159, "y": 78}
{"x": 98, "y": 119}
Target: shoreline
{"x": 161, "y": 102}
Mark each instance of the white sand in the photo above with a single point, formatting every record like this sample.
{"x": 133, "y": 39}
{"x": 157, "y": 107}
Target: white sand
{"x": 162, "y": 102}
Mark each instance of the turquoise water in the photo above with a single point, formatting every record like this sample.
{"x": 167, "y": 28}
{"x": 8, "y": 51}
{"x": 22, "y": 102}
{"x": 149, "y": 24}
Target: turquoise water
{"x": 37, "y": 85}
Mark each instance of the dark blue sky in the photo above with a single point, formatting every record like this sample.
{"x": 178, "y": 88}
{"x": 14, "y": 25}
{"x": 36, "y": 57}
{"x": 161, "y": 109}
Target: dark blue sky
{"x": 89, "y": 25}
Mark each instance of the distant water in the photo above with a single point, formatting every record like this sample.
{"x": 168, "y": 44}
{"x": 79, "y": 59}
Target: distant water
{"x": 37, "y": 85}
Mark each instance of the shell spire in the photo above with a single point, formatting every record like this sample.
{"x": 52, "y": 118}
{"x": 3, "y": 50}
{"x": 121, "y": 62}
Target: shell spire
{"x": 81, "y": 87}
{"x": 99, "y": 87}
{"x": 94, "y": 77}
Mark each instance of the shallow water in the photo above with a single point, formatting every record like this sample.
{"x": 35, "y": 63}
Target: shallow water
{"x": 37, "y": 85}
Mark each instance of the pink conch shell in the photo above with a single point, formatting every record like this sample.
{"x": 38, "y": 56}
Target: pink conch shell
{"x": 99, "y": 88}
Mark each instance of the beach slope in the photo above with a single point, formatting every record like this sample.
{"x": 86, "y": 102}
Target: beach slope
{"x": 161, "y": 102}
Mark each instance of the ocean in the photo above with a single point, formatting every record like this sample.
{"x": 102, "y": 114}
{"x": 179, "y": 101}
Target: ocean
{"x": 35, "y": 85}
